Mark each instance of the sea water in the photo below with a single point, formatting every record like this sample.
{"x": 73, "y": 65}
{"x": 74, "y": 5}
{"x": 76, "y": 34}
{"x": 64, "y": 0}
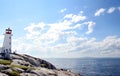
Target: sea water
{"x": 89, "y": 66}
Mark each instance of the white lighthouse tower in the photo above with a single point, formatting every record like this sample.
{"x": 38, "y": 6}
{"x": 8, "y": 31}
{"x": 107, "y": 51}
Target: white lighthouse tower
{"x": 6, "y": 48}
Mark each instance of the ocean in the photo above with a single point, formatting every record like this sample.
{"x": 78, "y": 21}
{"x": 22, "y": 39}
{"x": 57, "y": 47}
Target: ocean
{"x": 89, "y": 66}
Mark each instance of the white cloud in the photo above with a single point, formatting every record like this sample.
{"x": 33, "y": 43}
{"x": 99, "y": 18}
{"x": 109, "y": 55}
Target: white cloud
{"x": 90, "y": 27}
{"x": 75, "y": 18}
{"x": 1, "y": 39}
{"x": 47, "y": 38}
{"x": 61, "y": 39}
{"x": 73, "y": 47}
{"x": 68, "y": 16}
{"x": 81, "y": 12}
{"x": 99, "y": 12}
{"x": 63, "y": 10}
{"x": 107, "y": 47}
{"x": 34, "y": 29}
{"x": 103, "y": 10}
{"x": 110, "y": 45}
{"x": 77, "y": 47}
{"x": 119, "y": 8}
{"x": 77, "y": 26}
{"x": 111, "y": 10}
{"x": 53, "y": 31}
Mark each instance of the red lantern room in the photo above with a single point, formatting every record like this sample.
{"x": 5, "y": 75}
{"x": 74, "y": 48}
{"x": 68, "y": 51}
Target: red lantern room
{"x": 8, "y": 31}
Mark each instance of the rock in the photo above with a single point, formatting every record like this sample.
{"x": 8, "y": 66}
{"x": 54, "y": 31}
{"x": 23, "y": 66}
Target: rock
{"x": 37, "y": 62}
{"x": 28, "y": 70}
{"x": 27, "y": 74}
{"x": 44, "y": 72}
{"x": 8, "y": 71}
{"x": 18, "y": 69}
{"x": 20, "y": 62}
{"x": 3, "y": 67}
{"x": 48, "y": 65}
{"x": 2, "y": 74}
{"x": 66, "y": 73}
{"x": 38, "y": 73}
{"x": 32, "y": 60}
{"x": 48, "y": 71}
{"x": 17, "y": 56}
{"x": 25, "y": 65}
{"x": 63, "y": 69}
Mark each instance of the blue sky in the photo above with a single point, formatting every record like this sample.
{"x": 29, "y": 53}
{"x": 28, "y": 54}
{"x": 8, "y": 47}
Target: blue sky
{"x": 63, "y": 28}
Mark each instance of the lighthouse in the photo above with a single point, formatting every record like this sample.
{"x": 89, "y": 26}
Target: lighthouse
{"x": 6, "y": 48}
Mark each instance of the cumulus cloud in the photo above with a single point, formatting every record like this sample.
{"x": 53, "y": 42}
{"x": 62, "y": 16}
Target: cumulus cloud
{"x": 63, "y": 39}
{"x": 77, "y": 26}
{"x": 60, "y": 39}
{"x": 110, "y": 45}
{"x": 73, "y": 47}
{"x": 90, "y": 47}
{"x": 50, "y": 33}
{"x": 89, "y": 24}
{"x": 90, "y": 27}
{"x": 68, "y": 16}
{"x": 111, "y": 10}
{"x": 75, "y": 18}
{"x": 34, "y": 29}
{"x": 55, "y": 38}
{"x": 103, "y": 10}
{"x": 63, "y": 10}
{"x": 99, "y": 12}
{"x": 107, "y": 47}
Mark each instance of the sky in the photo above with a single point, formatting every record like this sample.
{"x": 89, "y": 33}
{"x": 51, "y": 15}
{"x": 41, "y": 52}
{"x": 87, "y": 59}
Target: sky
{"x": 62, "y": 28}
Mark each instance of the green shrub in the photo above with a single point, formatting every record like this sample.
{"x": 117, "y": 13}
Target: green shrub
{"x": 5, "y": 62}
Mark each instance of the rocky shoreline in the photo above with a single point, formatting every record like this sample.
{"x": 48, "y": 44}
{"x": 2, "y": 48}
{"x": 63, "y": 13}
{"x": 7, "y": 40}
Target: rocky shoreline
{"x": 25, "y": 65}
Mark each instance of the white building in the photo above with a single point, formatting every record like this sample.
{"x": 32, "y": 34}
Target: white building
{"x": 6, "y": 48}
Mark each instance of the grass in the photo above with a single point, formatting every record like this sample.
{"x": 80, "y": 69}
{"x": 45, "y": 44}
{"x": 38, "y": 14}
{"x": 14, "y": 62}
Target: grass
{"x": 43, "y": 65}
{"x": 22, "y": 67}
{"x": 5, "y": 62}
{"x": 14, "y": 73}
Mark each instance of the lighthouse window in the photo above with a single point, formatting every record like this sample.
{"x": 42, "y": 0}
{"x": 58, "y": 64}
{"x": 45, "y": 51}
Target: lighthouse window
{"x": 9, "y": 37}
{"x": 6, "y": 50}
